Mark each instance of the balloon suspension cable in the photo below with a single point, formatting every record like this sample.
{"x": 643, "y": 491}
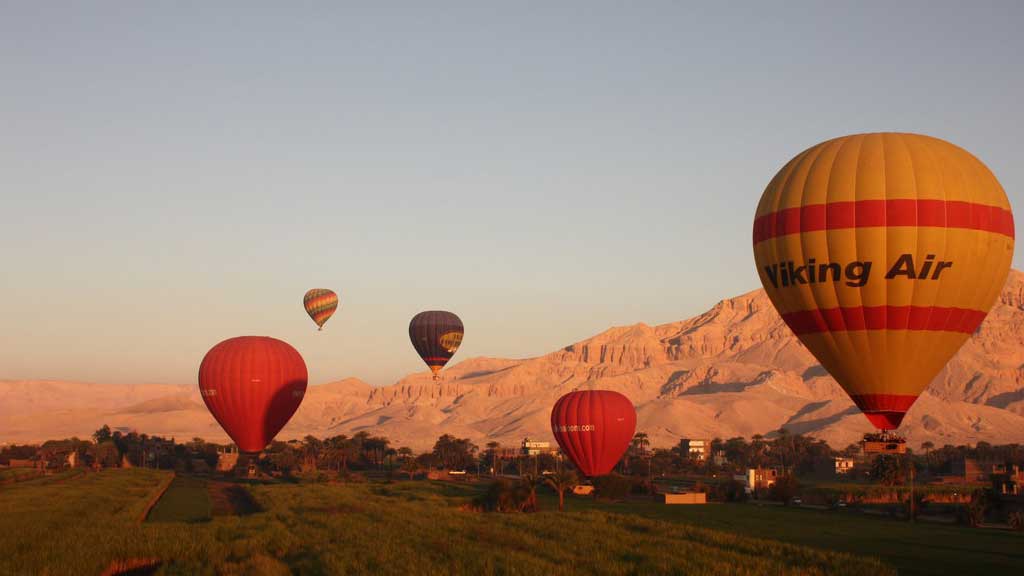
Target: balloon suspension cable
{"x": 320, "y": 329}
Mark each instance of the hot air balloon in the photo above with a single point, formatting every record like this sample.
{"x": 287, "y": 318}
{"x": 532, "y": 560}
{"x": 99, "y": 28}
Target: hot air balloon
{"x": 320, "y": 304}
{"x": 594, "y": 428}
{"x": 252, "y": 386}
{"x": 436, "y": 335}
{"x": 883, "y": 253}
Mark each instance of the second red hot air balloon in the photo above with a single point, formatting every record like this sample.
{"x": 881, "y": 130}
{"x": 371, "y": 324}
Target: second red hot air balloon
{"x": 594, "y": 428}
{"x": 252, "y": 386}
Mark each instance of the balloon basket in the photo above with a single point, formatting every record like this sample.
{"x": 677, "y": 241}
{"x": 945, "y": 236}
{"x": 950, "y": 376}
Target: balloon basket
{"x": 884, "y": 442}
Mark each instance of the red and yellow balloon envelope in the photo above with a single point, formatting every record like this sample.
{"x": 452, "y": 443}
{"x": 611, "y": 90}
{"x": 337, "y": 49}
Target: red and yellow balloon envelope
{"x": 594, "y": 428}
{"x": 320, "y": 304}
{"x": 252, "y": 386}
{"x": 883, "y": 253}
{"x": 436, "y": 335}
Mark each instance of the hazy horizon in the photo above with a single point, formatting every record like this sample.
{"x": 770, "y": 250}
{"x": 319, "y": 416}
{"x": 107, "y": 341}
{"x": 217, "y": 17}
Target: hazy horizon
{"x": 177, "y": 175}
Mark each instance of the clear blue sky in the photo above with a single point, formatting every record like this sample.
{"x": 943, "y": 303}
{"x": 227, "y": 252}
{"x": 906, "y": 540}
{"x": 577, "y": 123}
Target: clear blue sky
{"x": 174, "y": 174}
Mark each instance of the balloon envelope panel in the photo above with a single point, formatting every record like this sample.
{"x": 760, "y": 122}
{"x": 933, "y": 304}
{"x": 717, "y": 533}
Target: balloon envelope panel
{"x": 436, "y": 335}
{"x": 883, "y": 253}
{"x": 252, "y": 385}
{"x": 594, "y": 428}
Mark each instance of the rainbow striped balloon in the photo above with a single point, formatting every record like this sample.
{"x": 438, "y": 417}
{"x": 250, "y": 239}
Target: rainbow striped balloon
{"x": 320, "y": 304}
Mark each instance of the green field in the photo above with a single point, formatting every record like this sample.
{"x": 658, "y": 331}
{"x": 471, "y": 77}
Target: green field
{"x": 83, "y": 524}
{"x": 186, "y": 500}
{"x": 17, "y": 474}
{"x": 921, "y": 548}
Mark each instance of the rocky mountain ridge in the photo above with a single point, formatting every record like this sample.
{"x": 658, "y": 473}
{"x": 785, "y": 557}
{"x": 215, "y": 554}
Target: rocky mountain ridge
{"x": 735, "y": 370}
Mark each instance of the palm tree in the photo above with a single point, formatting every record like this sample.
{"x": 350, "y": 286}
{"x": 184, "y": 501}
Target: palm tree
{"x": 492, "y": 449}
{"x": 529, "y": 483}
{"x": 785, "y": 444}
{"x": 640, "y": 442}
{"x": 411, "y": 467}
{"x": 561, "y": 481}
{"x": 311, "y": 448}
{"x": 928, "y": 446}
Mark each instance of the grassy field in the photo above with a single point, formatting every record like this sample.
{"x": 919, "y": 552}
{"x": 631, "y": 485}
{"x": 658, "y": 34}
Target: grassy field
{"x": 912, "y": 548}
{"x": 405, "y": 528}
{"x": 186, "y": 500}
{"x": 18, "y": 474}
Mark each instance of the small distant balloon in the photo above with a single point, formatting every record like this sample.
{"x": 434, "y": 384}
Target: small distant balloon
{"x": 594, "y": 428}
{"x": 436, "y": 335}
{"x": 320, "y": 304}
{"x": 252, "y": 385}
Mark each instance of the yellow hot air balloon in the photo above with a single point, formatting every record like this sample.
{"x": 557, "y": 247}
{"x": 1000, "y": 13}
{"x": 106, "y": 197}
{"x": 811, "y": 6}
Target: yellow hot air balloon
{"x": 883, "y": 253}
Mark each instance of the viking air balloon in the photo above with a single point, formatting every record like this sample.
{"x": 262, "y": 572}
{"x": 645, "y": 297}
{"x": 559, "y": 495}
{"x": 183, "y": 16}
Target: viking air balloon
{"x": 436, "y": 335}
{"x": 320, "y": 304}
{"x": 883, "y": 253}
{"x": 252, "y": 386}
{"x": 594, "y": 428}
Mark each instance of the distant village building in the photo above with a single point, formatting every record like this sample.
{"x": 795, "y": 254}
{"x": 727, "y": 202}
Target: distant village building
{"x": 1008, "y": 480}
{"x": 56, "y": 456}
{"x": 227, "y": 458}
{"x": 1005, "y": 479}
{"x": 967, "y": 471}
{"x": 24, "y": 463}
{"x": 533, "y": 448}
{"x": 843, "y": 465}
{"x": 696, "y": 448}
{"x": 758, "y": 479}
{"x": 686, "y": 498}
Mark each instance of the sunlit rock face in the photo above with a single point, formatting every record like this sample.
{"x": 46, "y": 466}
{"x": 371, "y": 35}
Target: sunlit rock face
{"x": 735, "y": 370}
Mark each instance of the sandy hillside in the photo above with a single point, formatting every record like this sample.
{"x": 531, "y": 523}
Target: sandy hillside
{"x": 735, "y": 370}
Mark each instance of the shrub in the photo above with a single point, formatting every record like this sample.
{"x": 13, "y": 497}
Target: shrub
{"x": 612, "y": 487}
{"x": 1016, "y": 520}
{"x": 640, "y": 488}
{"x": 785, "y": 488}
{"x": 349, "y": 476}
{"x": 978, "y": 508}
{"x": 504, "y": 496}
{"x": 729, "y": 491}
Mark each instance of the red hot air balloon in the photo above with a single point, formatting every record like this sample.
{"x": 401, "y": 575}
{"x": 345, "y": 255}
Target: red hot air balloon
{"x": 252, "y": 386}
{"x": 594, "y": 428}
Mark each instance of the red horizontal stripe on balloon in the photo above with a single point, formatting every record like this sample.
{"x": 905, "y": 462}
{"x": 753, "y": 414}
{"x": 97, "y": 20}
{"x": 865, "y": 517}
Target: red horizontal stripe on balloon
{"x": 899, "y": 212}
{"x": 936, "y": 318}
{"x": 885, "y": 411}
{"x": 437, "y": 359}
{"x": 884, "y": 402}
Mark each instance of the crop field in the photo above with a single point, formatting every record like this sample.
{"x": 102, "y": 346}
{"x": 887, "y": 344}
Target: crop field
{"x": 9, "y": 475}
{"x": 186, "y": 500}
{"x": 81, "y": 527}
{"x": 921, "y": 548}
{"x": 201, "y": 526}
